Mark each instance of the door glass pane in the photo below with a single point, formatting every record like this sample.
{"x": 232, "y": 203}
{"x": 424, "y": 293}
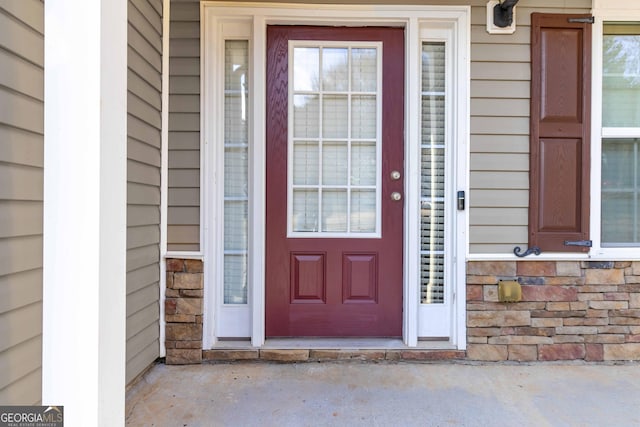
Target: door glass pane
{"x": 363, "y": 211}
{"x": 334, "y": 163}
{"x": 334, "y": 211}
{"x": 335, "y": 69}
{"x": 621, "y": 75}
{"x": 306, "y": 120}
{"x": 432, "y": 194}
{"x": 363, "y": 117}
{"x": 306, "y": 69}
{"x": 335, "y": 116}
{"x": 364, "y": 70}
{"x": 305, "y": 163}
{"x": 363, "y": 163}
{"x": 335, "y": 144}
{"x": 236, "y": 148}
{"x": 305, "y": 210}
{"x": 621, "y": 192}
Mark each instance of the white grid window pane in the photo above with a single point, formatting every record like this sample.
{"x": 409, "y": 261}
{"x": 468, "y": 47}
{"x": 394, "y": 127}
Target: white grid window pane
{"x": 235, "y": 225}
{"x": 335, "y": 69}
{"x": 621, "y": 192}
{"x": 334, "y": 163}
{"x": 621, "y": 75}
{"x": 236, "y": 146}
{"x": 364, "y": 70}
{"x": 306, "y": 163}
{"x": 432, "y": 182}
{"x": 433, "y": 173}
{"x": 432, "y": 279}
{"x": 363, "y": 163}
{"x": 335, "y": 116}
{"x": 305, "y": 210}
{"x": 306, "y": 69}
{"x": 432, "y": 226}
{"x": 334, "y": 211}
{"x": 433, "y": 67}
{"x": 235, "y": 172}
{"x": 306, "y": 117}
{"x": 433, "y": 119}
{"x": 363, "y": 211}
{"x": 235, "y": 279}
{"x": 363, "y": 117}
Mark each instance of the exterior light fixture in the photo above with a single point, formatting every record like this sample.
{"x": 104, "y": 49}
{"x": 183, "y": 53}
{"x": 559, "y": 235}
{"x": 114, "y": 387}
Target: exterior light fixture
{"x": 501, "y": 16}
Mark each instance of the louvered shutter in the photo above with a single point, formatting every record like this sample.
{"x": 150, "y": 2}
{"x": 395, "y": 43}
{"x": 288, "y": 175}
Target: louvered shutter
{"x": 560, "y": 122}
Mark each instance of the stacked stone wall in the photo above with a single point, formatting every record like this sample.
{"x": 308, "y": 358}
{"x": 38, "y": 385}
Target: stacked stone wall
{"x": 570, "y": 310}
{"x": 183, "y": 311}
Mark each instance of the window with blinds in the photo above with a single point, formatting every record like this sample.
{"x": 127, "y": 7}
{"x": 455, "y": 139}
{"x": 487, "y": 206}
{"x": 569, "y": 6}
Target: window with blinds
{"x": 236, "y": 147}
{"x": 334, "y": 147}
{"x": 432, "y": 196}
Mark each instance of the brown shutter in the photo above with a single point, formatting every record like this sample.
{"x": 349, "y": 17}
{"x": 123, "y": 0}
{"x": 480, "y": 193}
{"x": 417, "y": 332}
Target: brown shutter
{"x": 560, "y": 122}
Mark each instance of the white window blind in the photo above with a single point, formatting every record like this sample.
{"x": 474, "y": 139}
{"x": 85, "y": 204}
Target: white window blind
{"x": 620, "y": 224}
{"x": 334, "y": 141}
{"x": 236, "y": 193}
{"x": 432, "y": 197}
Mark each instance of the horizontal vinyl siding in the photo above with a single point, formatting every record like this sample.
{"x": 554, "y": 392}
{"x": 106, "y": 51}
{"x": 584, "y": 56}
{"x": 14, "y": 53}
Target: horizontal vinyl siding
{"x": 183, "y": 217}
{"x": 21, "y": 192}
{"x": 500, "y": 97}
{"x": 143, "y": 184}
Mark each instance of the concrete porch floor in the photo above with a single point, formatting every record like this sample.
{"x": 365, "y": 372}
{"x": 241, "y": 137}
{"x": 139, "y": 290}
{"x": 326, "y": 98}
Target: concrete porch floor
{"x": 386, "y": 394}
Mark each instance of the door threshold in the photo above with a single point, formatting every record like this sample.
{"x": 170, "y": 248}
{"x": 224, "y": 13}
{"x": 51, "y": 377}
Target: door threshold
{"x": 293, "y": 350}
{"x": 335, "y": 344}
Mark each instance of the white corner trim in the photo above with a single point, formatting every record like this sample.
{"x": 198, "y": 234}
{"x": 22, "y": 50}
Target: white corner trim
{"x": 85, "y": 204}
{"x": 164, "y": 167}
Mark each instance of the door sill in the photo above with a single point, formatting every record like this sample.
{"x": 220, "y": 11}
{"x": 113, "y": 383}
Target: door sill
{"x": 294, "y": 350}
{"x": 336, "y": 344}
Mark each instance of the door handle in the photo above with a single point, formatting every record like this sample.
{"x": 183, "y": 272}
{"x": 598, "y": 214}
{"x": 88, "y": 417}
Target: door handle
{"x": 396, "y": 196}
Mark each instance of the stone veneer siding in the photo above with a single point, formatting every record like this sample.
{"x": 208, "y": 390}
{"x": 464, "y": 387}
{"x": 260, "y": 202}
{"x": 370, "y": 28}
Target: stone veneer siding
{"x": 183, "y": 311}
{"x": 570, "y": 310}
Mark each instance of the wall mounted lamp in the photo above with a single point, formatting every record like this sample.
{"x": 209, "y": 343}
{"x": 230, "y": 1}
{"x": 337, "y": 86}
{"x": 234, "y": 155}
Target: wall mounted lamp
{"x": 501, "y": 16}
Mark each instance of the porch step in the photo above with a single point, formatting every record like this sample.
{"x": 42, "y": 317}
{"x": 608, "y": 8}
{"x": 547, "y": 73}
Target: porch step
{"x": 319, "y": 355}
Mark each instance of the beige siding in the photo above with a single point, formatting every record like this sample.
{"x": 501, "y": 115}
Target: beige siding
{"x": 21, "y": 191}
{"x": 500, "y": 96}
{"x": 500, "y": 93}
{"x": 143, "y": 183}
{"x": 183, "y": 216}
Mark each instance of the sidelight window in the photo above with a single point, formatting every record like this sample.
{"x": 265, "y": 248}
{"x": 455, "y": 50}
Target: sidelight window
{"x": 432, "y": 196}
{"x": 236, "y": 193}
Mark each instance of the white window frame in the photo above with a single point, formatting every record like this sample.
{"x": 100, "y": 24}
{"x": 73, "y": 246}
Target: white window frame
{"x": 604, "y": 11}
{"x": 220, "y": 16}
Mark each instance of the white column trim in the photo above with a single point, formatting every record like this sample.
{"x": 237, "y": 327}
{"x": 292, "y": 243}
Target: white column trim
{"x": 164, "y": 168}
{"x": 84, "y": 249}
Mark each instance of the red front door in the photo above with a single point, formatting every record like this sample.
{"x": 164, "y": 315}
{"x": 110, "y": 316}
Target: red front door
{"x": 335, "y": 120}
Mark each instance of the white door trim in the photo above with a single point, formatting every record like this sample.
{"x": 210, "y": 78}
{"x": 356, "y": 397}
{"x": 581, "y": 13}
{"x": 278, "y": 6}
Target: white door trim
{"x": 256, "y": 16}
